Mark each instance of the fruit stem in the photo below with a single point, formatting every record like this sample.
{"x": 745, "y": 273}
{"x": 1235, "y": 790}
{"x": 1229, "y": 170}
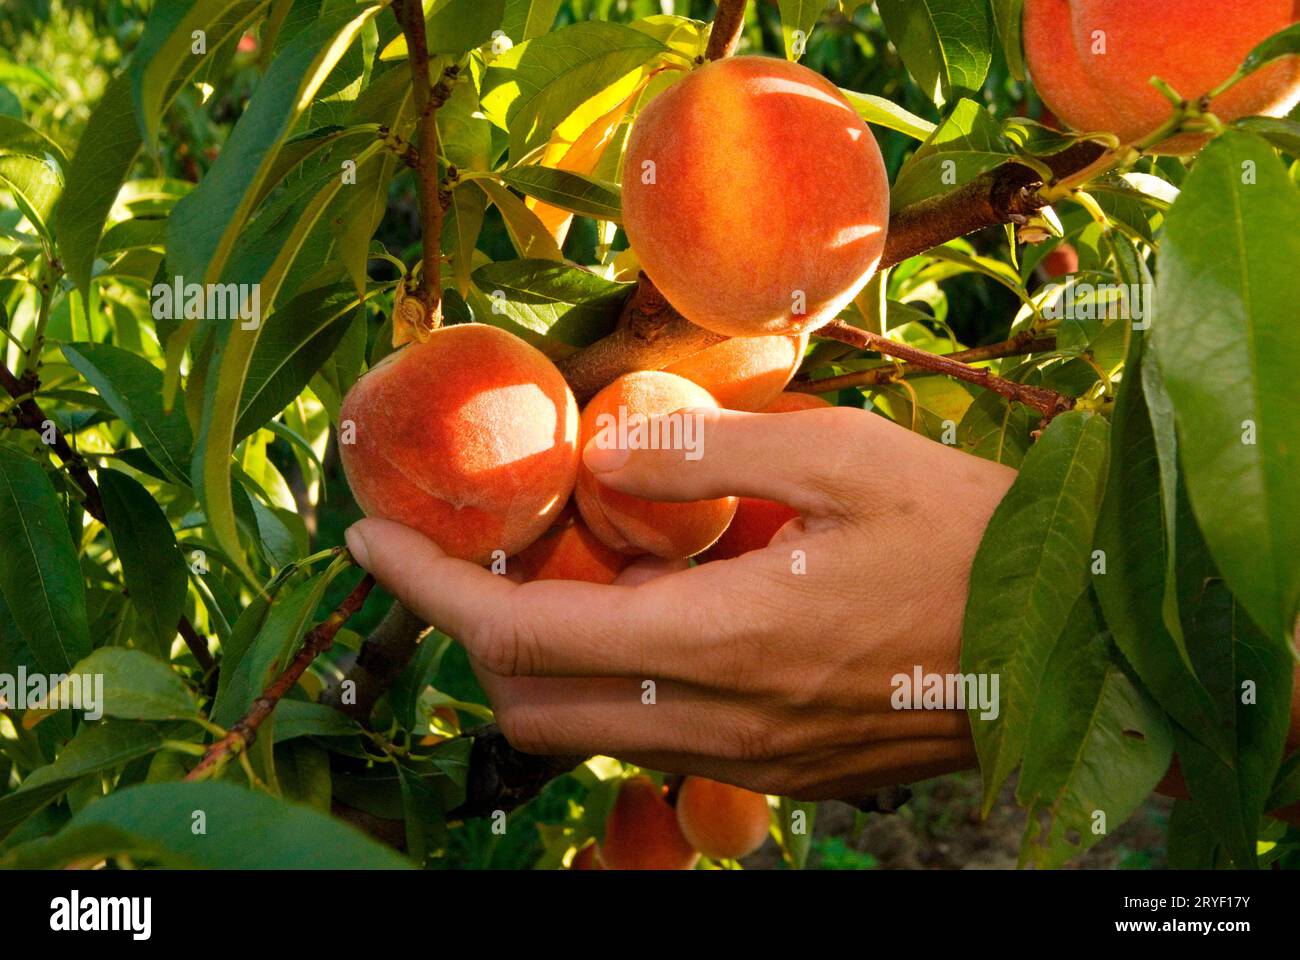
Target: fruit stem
{"x": 728, "y": 25}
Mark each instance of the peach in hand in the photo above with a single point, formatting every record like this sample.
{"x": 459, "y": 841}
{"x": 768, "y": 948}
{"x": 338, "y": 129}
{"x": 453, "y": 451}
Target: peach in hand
{"x": 469, "y": 438}
{"x": 722, "y": 821}
{"x": 744, "y": 373}
{"x": 620, "y": 416}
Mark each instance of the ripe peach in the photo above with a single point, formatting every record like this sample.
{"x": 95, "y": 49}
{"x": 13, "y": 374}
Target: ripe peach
{"x": 744, "y": 373}
{"x": 631, "y": 524}
{"x": 1092, "y": 60}
{"x": 721, "y": 821}
{"x": 469, "y": 438}
{"x": 757, "y": 521}
{"x": 570, "y": 551}
{"x": 734, "y": 197}
{"x": 641, "y": 832}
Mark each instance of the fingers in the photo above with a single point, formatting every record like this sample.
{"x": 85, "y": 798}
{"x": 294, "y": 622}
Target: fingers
{"x": 805, "y": 460}
{"x": 665, "y": 626}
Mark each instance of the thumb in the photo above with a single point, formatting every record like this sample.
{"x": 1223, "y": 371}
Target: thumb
{"x": 806, "y": 459}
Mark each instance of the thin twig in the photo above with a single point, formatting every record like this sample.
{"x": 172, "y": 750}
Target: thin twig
{"x": 1047, "y": 402}
{"x": 319, "y": 639}
{"x": 1024, "y": 343}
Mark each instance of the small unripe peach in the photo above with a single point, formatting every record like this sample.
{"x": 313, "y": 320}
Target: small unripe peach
{"x": 641, "y": 832}
{"x": 1062, "y": 261}
{"x": 744, "y": 373}
{"x": 469, "y": 438}
{"x": 735, "y": 199}
{"x": 722, "y": 821}
{"x": 635, "y": 525}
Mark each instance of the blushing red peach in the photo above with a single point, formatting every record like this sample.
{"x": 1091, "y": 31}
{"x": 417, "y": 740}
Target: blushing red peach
{"x": 744, "y": 373}
{"x": 570, "y": 551}
{"x": 631, "y": 524}
{"x": 469, "y": 438}
{"x": 1092, "y": 61}
{"x": 641, "y": 832}
{"x": 722, "y": 821}
{"x": 736, "y": 197}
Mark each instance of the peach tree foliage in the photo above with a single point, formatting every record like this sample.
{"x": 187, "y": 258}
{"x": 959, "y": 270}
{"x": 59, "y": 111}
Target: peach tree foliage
{"x": 1135, "y": 592}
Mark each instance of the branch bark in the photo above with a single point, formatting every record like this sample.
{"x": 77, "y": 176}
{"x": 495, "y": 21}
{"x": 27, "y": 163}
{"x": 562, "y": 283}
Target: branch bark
{"x": 319, "y": 639}
{"x": 1047, "y": 402}
{"x": 383, "y": 655}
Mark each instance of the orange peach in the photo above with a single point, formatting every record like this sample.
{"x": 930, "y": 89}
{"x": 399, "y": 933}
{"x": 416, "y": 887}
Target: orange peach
{"x": 744, "y": 373}
{"x": 641, "y": 832}
{"x": 570, "y": 551}
{"x": 619, "y": 415}
{"x": 469, "y": 438}
{"x": 1092, "y": 61}
{"x": 588, "y": 858}
{"x": 1062, "y": 261}
{"x": 757, "y": 521}
{"x": 735, "y": 199}
{"x": 722, "y": 821}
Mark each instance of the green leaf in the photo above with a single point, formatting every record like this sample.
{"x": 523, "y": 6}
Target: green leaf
{"x": 203, "y": 227}
{"x": 997, "y": 430}
{"x": 461, "y": 225}
{"x": 795, "y": 847}
{"x": 31, "y": 169}
{"x": 528, "y": 234}
{"x": 886, "y": 113}
{"x": 1250, "y": 676}
{"x": 1282, "y": 133}
{"x": 298, "y": 718}
{"x": 166, "y": 49}
{"x": 1284, "y": 43}
{"x": 525, "y": 19}
{"x": 532, "y": 87}
{"x": 240, "y": 830}
{"x": 575, "y": 192}
{"x": 1006, "y": 17}
{"x": 565, "y": 303}
{"x": 296, "y": 340}
{"x": 1096, "y": 745}
{"x": 96, "y": 748}
{"x": 965, "y": 145}
{"x": 458, "y": 26}
{"x": 1030, "y": 569}
{"x": 798, "y": 17}
{"x": 1224, "y": 343}
{"x": 138, "y": 686}
{"x": 152, "y": 566}
{"x": 133, "y": 386}
{"x": 946, "y": 45}
{"x": 1132, "y": 585}
{"x": 40, "y": 575}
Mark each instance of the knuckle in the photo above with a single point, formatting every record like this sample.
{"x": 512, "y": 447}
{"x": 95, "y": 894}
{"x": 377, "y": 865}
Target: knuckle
{"x": 523, "y": 730}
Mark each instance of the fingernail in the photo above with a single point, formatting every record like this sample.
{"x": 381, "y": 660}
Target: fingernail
{"x": 601, "y": 459}
{"x": 356, "y": 541}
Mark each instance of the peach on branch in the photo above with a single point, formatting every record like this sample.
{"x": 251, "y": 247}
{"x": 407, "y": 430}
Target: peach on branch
{"x": 755, "y": 197}
{"x": 744, "y": 373}
{"x": 623, "y": 415}
{"x": 469, "y": 437}
{"x": 1092, "y": 61}
{"x": 570, "y": 551}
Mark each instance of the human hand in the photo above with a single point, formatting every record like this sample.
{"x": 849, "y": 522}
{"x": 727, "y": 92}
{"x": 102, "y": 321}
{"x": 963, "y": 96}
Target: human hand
{"x": 771, "y": 671}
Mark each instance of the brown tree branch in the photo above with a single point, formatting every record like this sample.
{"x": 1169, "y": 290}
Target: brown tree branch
{"x": 1022, "y": 344}
{"x": 30, "y": 416}
{"x": 428, "y": 98}
{"x": 319, "y": 639}
{"x": 728, "y": 25}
